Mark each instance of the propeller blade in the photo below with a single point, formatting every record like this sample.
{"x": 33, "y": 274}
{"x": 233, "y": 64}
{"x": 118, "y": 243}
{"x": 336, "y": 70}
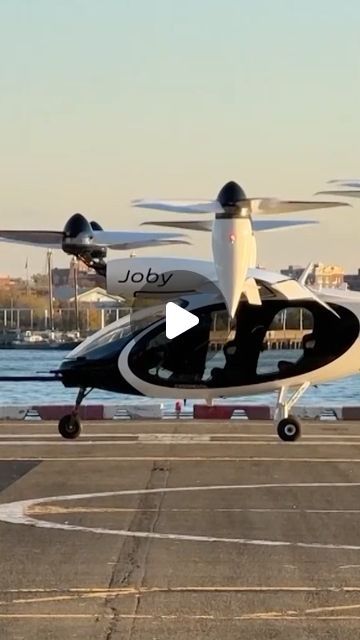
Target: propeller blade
{"x": 121, "y": 240}
{"x": 195, "y": 225}
{"x": 47, "y": 239}
{"x": 275, "y": 206}
{"x": 347, "y": 193}
{"x": 135, "y": 239}
{"x": 275, "y": 225}
{"x": 207, "y": 225}
{"x": 181, "y": 206}
{"x": 347, "y": 182}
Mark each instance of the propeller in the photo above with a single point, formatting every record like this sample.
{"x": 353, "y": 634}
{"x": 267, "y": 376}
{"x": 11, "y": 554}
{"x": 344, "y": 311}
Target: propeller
{"x": 233, "y": 240}
{"x": 89, "y": 242}
{"x": 232, "y": 199}
{"x": 352, "y": 188}
{"x": 78, "y": 233}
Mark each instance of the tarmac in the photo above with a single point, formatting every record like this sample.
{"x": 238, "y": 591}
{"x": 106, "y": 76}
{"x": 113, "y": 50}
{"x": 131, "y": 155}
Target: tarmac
{"x": 179, "y": 529}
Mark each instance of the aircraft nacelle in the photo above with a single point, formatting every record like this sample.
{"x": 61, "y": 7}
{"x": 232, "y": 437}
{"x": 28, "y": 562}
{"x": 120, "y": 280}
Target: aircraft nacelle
{"x": 78, "y": 236}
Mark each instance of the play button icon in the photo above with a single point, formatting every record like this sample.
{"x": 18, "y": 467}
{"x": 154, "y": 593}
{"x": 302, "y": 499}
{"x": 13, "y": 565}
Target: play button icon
{"x": 178, "y": 320}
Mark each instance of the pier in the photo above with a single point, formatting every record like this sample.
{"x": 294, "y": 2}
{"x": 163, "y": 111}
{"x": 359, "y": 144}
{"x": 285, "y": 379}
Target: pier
{"x": 275, "y": 339}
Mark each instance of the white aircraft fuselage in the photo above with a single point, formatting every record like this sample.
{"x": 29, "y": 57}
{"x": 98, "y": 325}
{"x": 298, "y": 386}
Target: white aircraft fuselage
{"x": 146, "y": 363}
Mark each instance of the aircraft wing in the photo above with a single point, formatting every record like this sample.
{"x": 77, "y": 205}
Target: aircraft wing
{"x": 46, "y": 239}
{"x": 289, "y": 288}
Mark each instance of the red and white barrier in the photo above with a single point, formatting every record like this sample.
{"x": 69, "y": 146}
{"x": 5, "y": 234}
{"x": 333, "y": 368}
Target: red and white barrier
{"x": 226, "y": 411}
{"x": 136, "y": 412}
{"x": 263, "y": 412}
{"x": 13, "y": 412}
{"x": 86, "y": 412}
{"x": 55, "y": 412}
{"x": 156, "y": 411}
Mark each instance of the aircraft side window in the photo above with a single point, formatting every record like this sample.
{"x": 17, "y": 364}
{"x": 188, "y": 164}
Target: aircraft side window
{"x": 216, "y": 353}
{"x": 284, "y": 343}
{"x": 181, "y": 360}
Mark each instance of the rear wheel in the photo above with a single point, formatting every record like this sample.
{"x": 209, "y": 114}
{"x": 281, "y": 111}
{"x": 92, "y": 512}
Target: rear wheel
{"x": 289, "y": 429}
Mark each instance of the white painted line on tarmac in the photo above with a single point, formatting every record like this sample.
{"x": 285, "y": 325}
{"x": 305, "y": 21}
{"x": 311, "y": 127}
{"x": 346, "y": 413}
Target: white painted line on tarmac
{"x": 265, "y": 617}
{"x": 177, "y": 436}
{"x": 216, "y": 589}
{"x": 161, "y": 458}
{"x": 49, "y": 509}
{"x": 17, "y": 513}
{"x": 169, "y": 441}
{"x": 145, "y": 436}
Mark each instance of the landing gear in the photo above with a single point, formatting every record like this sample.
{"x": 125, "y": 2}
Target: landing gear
{"x": 69, "y": 425}
{"x": 289, "y": 429}
{"x": 288, "y": 426}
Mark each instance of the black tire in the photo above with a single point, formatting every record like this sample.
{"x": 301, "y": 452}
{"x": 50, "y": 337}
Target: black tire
{"x": 69, "y": 427}
{"x": 289, "y": 429}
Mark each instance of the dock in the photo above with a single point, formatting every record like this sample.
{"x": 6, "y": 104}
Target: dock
{"x": 275, "y": 339}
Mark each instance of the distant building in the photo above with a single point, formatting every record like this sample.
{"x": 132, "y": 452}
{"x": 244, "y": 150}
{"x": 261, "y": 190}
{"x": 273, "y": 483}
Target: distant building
{"x": 87, "y": 278}
{"x": 96, "y": 296}
{"x": 293, "y": 271}
{"x": 296, "y": 272}
{"x": 330, "y": 275}
{"x": 353, "y": 280}
{"x": 5, "y": 282}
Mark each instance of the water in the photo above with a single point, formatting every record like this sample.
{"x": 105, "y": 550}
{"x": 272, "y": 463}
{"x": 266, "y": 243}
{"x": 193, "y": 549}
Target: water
{"x": 31, "y": 362}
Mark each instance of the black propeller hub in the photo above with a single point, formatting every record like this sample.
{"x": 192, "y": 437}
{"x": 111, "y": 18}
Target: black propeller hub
{"x": 76, "y": 226}
{"x": 78, "y": 240}
{"x": 231, "y": 195}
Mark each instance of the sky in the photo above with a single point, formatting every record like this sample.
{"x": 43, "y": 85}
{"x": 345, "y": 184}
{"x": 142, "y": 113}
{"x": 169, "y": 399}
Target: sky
{"x": 103, "y": 102}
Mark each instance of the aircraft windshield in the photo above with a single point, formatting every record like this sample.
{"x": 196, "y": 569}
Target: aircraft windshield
{"x": 130, "y": 325}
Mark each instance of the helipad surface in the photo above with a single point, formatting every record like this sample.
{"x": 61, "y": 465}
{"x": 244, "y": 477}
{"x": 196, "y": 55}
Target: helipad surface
{"x": 178, "y": 529}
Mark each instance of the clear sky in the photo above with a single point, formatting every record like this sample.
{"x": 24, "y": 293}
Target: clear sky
{"x": 105, "y": 101}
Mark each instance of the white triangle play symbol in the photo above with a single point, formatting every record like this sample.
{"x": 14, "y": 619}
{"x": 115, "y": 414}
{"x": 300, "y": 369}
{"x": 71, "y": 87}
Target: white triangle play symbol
{"x": 178, "y": 320}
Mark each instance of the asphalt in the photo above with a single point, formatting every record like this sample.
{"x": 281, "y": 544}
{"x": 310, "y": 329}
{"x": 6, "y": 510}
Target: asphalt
{"x": 179, "y": 529}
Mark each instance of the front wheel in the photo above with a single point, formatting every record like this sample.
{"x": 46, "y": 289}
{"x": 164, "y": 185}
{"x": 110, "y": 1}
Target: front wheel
{"x": 69, "y": 427}
{"x": 289, "y": 429}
